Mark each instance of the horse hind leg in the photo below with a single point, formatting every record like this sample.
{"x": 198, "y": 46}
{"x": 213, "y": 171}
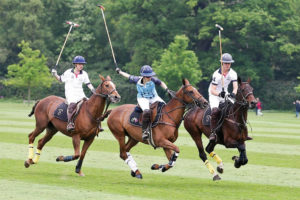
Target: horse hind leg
{"x": 31, "y": 137}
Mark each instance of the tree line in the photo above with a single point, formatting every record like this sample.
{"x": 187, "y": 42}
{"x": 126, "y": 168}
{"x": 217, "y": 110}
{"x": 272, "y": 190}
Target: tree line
{"x": 178, "y": 38}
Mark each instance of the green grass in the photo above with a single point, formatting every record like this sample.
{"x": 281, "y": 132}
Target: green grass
{"x": 273, "y": 171}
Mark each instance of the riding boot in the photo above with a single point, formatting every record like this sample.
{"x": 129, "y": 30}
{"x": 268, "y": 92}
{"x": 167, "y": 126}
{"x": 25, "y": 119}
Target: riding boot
{"x": 146, "y": 123}
{"x": 70, "y": 112}
{"x": 214, "y": 123}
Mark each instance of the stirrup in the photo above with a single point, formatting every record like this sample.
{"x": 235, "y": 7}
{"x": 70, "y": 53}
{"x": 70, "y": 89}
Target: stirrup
{"x": 145, "y": 135}
{"x": 213, "y": 137}
{"x": 70, "y": 127}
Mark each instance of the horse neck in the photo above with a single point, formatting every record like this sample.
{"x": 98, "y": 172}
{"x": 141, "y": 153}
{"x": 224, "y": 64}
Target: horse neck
{"x": 175, "y": 110}
{"x": 240, "y": 112}
{"x": 95, "y": 106}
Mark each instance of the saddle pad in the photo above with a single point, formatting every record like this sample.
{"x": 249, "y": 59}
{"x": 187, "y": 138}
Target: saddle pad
{"x": 206, "y": 118}
{"x": 61, "y": 112}
{"x": 135, "y": 116}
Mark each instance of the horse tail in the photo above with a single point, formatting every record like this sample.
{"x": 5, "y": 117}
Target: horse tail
{"x": 33, "y": 108}
{"x": 105, "y": 115}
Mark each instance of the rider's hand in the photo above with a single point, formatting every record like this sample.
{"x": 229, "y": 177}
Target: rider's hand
{"x": 232, "y": 95}
{"x": 222, "y": 94}
{"x": 93, "y": 90}
{"x": 54, "y": 72}
{"x": 118, "y": 70}
{"x": 170, "y": 92}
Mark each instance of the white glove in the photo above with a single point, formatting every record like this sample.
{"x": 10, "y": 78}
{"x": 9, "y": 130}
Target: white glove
{"x": 54, "y": 72}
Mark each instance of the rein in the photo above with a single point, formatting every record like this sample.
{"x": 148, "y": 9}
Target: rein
{"x": 195, "y": 102}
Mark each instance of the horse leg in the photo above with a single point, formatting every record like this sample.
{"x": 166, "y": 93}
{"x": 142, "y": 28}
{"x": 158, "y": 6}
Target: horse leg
{"x": 198, "y": 141}
{"x": 168, "y": 147}
{"x": 242, "y": 160}
{"x": 84, "y": 149}
{"x": 37, "y": 131}
{"x": 131, "y": 162}
{"x": 76, "y": 145}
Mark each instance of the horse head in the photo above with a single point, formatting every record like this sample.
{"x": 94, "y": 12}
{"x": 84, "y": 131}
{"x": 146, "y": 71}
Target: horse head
{"x": 107, "y": 89}
{"x": 190, "y": 95}
{"x": 245, "y": 95}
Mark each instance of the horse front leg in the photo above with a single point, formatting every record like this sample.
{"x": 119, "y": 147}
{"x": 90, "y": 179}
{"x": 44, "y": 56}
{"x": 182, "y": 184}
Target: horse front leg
{"x": 220, "y": 168}
{"x": 76, "y": 145}
{"x": 84, "y": 149}
{"x": 242, "y": 159}
{"x": 172, "y": 157}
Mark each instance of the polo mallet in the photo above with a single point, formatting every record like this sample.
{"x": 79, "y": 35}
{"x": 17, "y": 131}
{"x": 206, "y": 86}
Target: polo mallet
{"x": 72, "y": 24}
{"x": 221, "y": 29}
{"x": 112, "y": 50}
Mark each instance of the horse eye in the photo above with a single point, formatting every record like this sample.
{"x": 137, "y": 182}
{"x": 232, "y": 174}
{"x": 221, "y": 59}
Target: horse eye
{"x": 191, "y": 92}
{"x": 107, "y": 86}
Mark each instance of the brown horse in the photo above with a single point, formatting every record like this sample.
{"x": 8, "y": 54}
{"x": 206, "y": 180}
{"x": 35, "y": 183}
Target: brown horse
{"x": 86, "y": 124}
{"x": 164, "y": 134}
{"x": 232, "y": 134}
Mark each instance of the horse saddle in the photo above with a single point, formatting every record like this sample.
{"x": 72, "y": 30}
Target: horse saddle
{"x": 135, "y": 118}
{"x": 61, "y": 111}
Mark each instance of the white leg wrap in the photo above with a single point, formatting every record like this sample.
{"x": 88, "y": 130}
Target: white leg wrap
{"x": 173, "y": 159}
{"x": 131, "y": 158}
{"x": 131, "y": 163}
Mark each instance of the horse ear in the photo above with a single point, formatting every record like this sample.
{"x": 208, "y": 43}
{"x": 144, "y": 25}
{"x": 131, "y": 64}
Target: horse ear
{"x": 249, "y": 80}
{"x": 185, "y": 81}
{"x": 108, "y": 78}
{"x": 101, "y": 77}
{"x": 239, "y": 80}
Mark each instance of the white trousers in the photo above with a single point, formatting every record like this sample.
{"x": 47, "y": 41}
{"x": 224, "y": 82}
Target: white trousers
{"x": 214, "y": 101}
{"x": 145, "y": 103}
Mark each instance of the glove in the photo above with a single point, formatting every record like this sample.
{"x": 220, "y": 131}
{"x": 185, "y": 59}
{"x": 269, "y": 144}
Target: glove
{"x": 118, "y": 70}
{"x": 54, "y": 72}
{"x": 232, "y": 95}
{"x": 222, "y": 94}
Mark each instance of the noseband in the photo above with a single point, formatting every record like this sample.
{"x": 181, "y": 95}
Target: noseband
{"x": 101, "y": 94}
{"x": 244, "y": 101}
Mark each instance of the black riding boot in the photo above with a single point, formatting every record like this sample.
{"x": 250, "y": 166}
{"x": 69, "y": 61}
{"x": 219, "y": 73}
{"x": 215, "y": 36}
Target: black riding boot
{"x": 70, "y": 112}
{"x": 146, "y": 123}
{"x": 214, "y": 123}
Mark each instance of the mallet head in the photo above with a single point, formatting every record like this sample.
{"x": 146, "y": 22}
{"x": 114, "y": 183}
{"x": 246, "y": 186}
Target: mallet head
{"x": 72, "y": 24}
{"x": 219, "y": 27}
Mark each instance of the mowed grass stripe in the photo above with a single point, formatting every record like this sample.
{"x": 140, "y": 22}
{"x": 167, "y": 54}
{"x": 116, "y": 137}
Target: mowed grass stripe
{"x": 191, "y": 152}
{"x": 20, "y": 190}
{"x": 159, "y": 186}
{"x": 184, "y": 167}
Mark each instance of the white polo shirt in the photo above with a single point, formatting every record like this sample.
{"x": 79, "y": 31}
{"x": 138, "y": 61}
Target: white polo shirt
{"x": 231, "y": 76}
{"x": 73, "y": 85}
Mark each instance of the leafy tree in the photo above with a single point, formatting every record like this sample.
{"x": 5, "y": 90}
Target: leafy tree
{"x": 298, "y": 87}
{"x": 30, "y": 72}
{"x": 177, "y": 62}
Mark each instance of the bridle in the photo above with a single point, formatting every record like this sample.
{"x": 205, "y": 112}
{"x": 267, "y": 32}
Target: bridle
{"x": 244, "y": 101}
{"x": 105, "y": 96}
{"x": 196, "y": 102}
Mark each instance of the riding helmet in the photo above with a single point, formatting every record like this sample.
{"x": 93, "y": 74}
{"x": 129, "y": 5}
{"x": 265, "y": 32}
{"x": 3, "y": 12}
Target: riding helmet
{"x": 79, "y": 60}
{"x": 146, "y": 70}
{"x": 227, "y": 58}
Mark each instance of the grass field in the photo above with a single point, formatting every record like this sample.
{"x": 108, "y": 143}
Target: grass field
{"x": 272, "y": 173}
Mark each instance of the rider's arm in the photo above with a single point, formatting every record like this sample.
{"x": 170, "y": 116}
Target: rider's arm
{"x": 91, "y": 87}
{"x": 235, "y": 87}
{"x": 163, "y": 85}
{"x": 126, "y": 75}
{"x": 213, "y": 90}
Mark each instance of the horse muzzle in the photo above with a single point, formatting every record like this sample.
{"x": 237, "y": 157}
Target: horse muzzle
{"x": 252, "y": 104}
{"x": 115, "y": 98}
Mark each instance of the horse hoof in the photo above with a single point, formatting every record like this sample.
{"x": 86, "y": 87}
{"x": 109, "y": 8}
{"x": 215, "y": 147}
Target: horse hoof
{"x": 60, "y": 158}
{"x": 234, "y": 158}
{"x": 155, "y": 167}
{"x": 26, "y": 164}
{"x": 81, "y": 173}
{"x": 216, "y": 178}
{"x": 220, "y": 170}
{"x": 136, "y": 174}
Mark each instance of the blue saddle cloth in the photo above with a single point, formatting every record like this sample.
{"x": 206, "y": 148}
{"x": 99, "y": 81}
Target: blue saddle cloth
{"x": 135, "y": 118}
{"x": 61, "y": 112}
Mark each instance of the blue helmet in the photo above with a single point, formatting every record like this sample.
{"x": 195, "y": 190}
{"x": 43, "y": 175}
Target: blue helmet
{"x": 146, "y": 70}
{"x": 227, "y": 58}
{"x": 79, "y": 60}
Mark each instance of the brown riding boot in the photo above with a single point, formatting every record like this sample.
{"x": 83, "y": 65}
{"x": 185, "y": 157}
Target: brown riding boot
{"x": 214, "y": 123}
{"x": 146, "y": 123}
{"x": 70, "y": 112}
